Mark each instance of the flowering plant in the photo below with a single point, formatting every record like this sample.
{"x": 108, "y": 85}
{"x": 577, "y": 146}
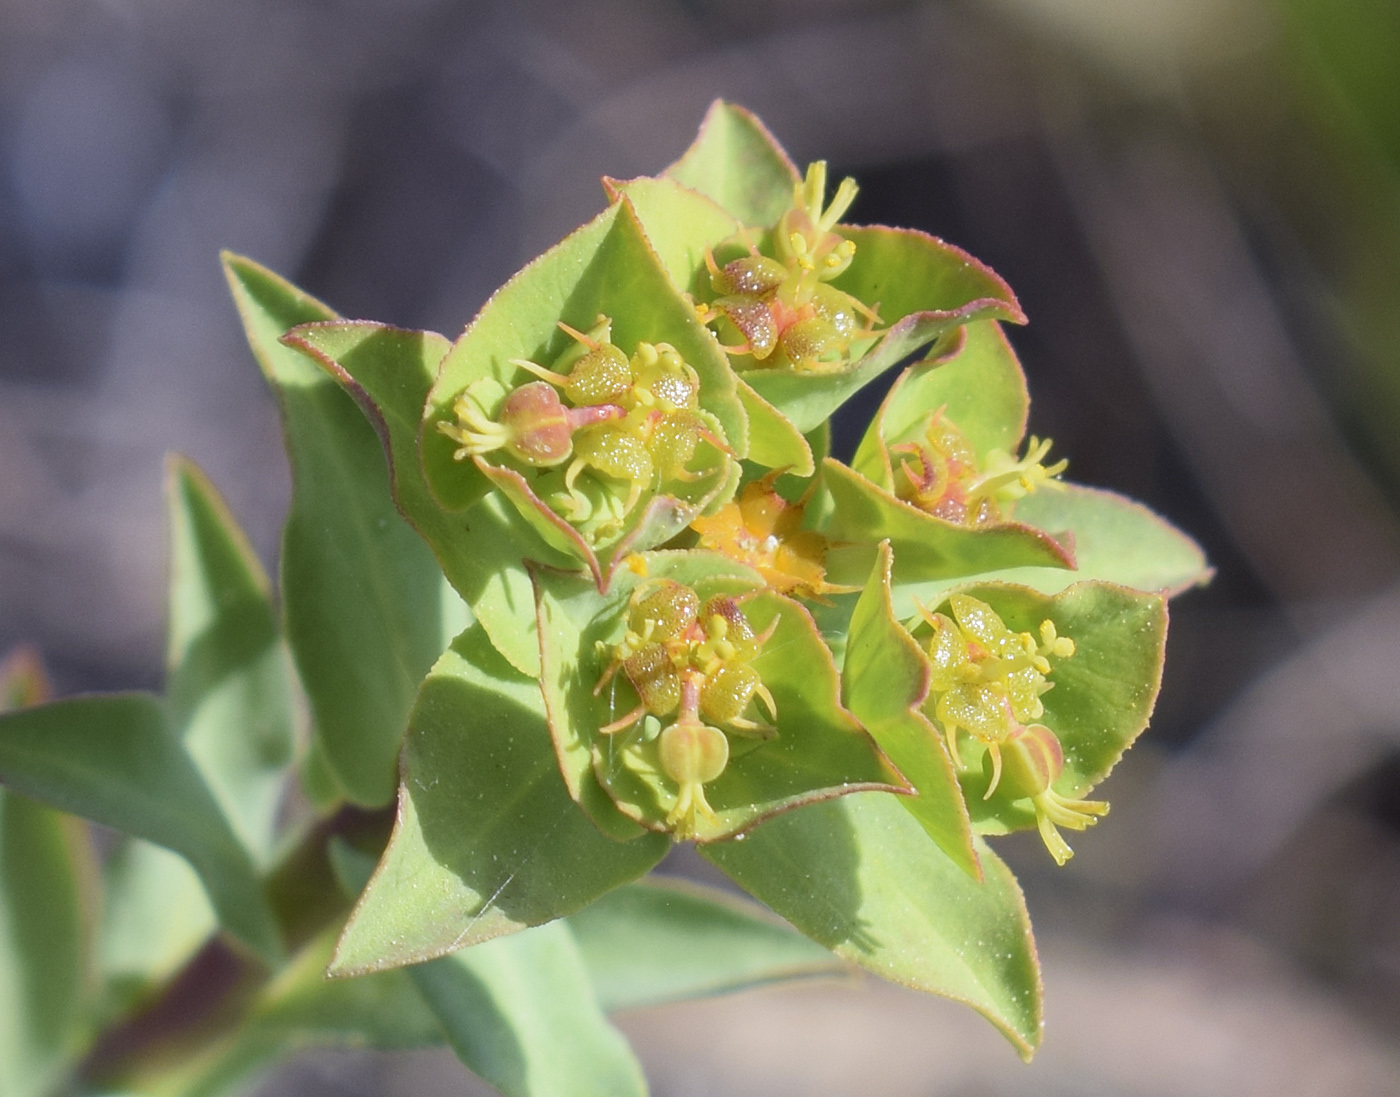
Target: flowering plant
{"x": 616, "y": 591}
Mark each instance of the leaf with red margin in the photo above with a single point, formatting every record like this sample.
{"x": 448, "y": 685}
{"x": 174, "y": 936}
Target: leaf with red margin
{"x": 735, "y": 161}
{"x": 1115, "y": 540}
{"x": 925, "y": 547}
{"x": 363, "y": 601}
{"x": 885, "y": 681}
{"x": 389, "y": 372}
{"x": 860, "y": 876}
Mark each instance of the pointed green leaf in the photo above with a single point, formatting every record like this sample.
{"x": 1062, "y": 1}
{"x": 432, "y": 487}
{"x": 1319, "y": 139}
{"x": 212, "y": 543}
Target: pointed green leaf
{"x": 819, "y": 750}
{"x": 773, "y": 441}
{"x": 979, "y": 387}
{"x": 361, "y": 592}
{"x": 680, "y": 224}
{"x": 1115, "y": 540}
{"x": 860, "y": 876}
{"x": 1103, "y": 694}
{"x": 41, "y": 947}
{"x": 520, "y": 1013}
{"x": 389, "y": 371}
{"x": 229, "y": 694}
{"x": 911, "y": 274}
{"x": 885, "y": 680}
{"x": 605, "y": 268}
{"x": 662, "y": 941}
{"x": 155, "y": 917}
{"x": 735, "y": 161}
{"x": 114, "y": 760}
{"x": 488, "y": 840}
{"x": 925, "y": 547}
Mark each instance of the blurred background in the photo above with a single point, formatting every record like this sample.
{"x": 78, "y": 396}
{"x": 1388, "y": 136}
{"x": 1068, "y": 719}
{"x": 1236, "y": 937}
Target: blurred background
{"x": 1198, "y": 203}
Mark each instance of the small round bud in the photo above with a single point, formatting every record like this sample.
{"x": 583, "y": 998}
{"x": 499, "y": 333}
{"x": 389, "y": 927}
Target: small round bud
{"x": 837, "y": 309}
{"x": 670, "y": 607}
{"x": 727, "y": 692}
{"x": 1031, "y": 761}
{"x": 737, "y": 629}
{"x": 674, "y": 441}
{"x": 655, "y": 679}
{"x": 601, "y": 376}
{"x": 614, "y": 451}
{"x": 752, "y": 276}
{"x": 807, "y": 342}
{"x": 537, "y": 425}
{"x": 693, "y": 753}
{"x": 754, "y": 321}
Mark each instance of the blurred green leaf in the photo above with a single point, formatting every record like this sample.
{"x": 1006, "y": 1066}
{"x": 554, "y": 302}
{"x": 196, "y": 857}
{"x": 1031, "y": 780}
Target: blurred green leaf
{"x": 42, "y": 947}
{"x": 662, "y": 941}
{"x": 362, "y": 594}
{"x": 859, "y": 875}
{"x": 300, "y": 1010}
{"x": 155, "y": 917}
{"x": 229, "y": 694}
{"x": 736, "y": 162}
{"x": 520, "y": 1013}
{"x": 114, "y": 760}
{"x": 488, "y": 840}
{"x": 885, "y": 680}
{"x": 318, "y": 780}
{"x": 381, "y": 1010}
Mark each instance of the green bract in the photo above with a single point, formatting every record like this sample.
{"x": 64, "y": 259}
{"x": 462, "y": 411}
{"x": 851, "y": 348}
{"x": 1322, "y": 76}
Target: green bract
{"x": 582, "y": 584}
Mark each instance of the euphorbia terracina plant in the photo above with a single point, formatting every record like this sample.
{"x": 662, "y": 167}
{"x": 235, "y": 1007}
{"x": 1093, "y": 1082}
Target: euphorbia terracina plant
{"x": 617, "y": 594}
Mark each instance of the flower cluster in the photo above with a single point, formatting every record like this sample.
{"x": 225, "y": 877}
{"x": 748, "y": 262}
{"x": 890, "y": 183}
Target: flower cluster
{"x": 635, "y": 423}
{"x": 783, "y": 307}
{"x": 765, "y": 531}
{"x": 988, "y": 681}
{"x": 603, "y": 463}
{"x": 688, "y": 619}
{"x": 690, "y": 661}
{"x": 940, "y": 474}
